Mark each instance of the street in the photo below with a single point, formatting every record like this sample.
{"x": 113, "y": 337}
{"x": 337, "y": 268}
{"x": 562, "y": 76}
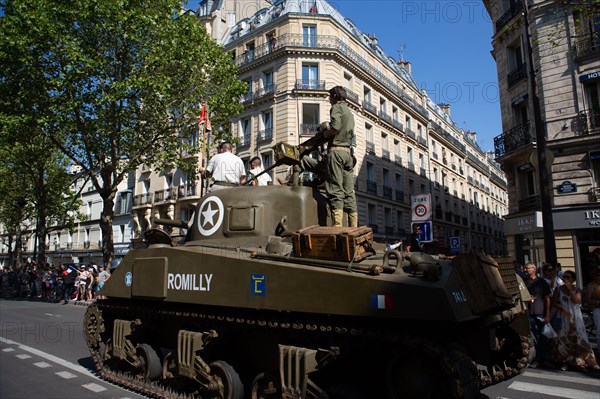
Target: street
{"x": 43, "y": 355}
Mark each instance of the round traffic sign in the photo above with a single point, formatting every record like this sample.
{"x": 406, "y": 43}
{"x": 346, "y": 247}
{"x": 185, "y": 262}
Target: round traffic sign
{"x": 420, "y": 210}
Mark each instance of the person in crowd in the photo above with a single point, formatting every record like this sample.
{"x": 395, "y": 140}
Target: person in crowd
{"x": 592, "y": 300}
{"x": 550, "y": 274}
{"x": 89, "y": 282}
{"x": 69, "y": 282}
{"x": 225, "y": 168}
{"x": 391, "y": 247}
{"x": 80, "y": 283}
{"x": 571, "y": 347}
{"x": 103, "y": 276}
{"x": 255, "y": 169}
{"x": 413, "y": 242}
{"x": 337, "y": 167}
{"x": 539, "y": 312}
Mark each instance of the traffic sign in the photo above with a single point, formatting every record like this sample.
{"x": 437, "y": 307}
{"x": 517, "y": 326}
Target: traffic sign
{"x": 421, "y": 207}
{"x": 426, "y": 233}
{"x": 455, "y": 245}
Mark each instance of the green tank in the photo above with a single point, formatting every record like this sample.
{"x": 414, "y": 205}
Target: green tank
{"x": 235, "y": 310}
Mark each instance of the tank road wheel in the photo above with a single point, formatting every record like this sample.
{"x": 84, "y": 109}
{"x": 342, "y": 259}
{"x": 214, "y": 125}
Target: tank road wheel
{"x": 150, "y": 367}
{"x": 232, "y": 384}
{"x": 264, "y": 387}
{"x": 414, "y": 375}
{"x": 93, "y": 326}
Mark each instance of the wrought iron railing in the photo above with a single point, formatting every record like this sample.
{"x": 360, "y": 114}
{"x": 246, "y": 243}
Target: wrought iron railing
{"x": 387, "y": 192}
{"x": 587, "y": 46}
{"x": 516, "y": 75}
{"x": 265, "y": 135}
{"x": 369, "y": 107}
{"x": 529, "y": 204}
{"x": 587, "y": 121}
{"x": 142, "y": 199}
{"x": 513, "y": 139}
{"x": 385, "y": 154}
{"x": 514, "y": 10}
{"x": 309, "y": 84}
{"x": 400, "y": 196}
{"x": 370, "y": 146}
{"x": 308, "y": 129}
{"x": 371, "y": 187}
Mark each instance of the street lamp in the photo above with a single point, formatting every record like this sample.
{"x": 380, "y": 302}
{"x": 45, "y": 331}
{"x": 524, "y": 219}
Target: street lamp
{"x": 542, "y": 157}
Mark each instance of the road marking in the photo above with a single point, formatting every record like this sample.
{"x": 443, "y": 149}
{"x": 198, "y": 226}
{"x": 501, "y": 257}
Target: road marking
{"x": 42, "y": 365}
{"x": 8, "y": 350}
{"x": 48, "y": 357}
{"x": 564, "y": 378}
{"x": 65, "y": 374}
{"x": 24, "y": 356}
{"x": 94, "y": 387}
{"x": 565, "y": 393}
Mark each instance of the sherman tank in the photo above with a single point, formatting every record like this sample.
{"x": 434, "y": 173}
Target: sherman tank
{"x": 259, "y": 301}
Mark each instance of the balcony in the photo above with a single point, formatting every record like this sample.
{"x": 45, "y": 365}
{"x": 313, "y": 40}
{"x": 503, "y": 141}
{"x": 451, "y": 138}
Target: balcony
{"x": 411, "y": 133}
{"x": 384, "y": 116}
{"x": 369, "y": 107}
{"x": 389, "y": 230}
{"x": 400, "y": 196}
{"x": 422, "y": 141}
{"x": 308, "y": 129}
{"x": 246, "y": 98}
{"x": 411, "y": 166}
{"x": 265, "y": 135}
{"x": 587, "y": 121}
{"x": 142, "y": 199}
{"x": 245, "y": 141}
{"x": 587, "y": 47}
{"x": 398, "y": 125}
{"x": 310, "y": 85}
{"x": 385, "y": 154}
{"x": 371, "y": 187}
{"x": 374, "y": 227}
{"x": 434, "y": 155}
{"x": 513, "y": 139}
{"x": 370, "y": 147}
{"x": 352, "y": 96}
{"x": 167, "y": 194}
{"x": 514, "y": 10}
{"x": 423, "y": 172}
{"x": 387, "y": 192}
{"x": 516, "y": 75}
{"x": 594, "y": 194}
{"x": 531, "y": 203}
{"x": 398, "y": 160}
{"x": 268, "y": 90}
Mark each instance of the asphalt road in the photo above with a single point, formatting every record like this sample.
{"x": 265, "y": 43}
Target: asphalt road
{"x": 43, "y": 355}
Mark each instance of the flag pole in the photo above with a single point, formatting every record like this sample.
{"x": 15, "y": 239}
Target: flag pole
{"x": 202, "y": 131}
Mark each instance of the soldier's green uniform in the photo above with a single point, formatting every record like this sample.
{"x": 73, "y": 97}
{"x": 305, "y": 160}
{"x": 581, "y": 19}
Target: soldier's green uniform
{"x": 339, "y": 164}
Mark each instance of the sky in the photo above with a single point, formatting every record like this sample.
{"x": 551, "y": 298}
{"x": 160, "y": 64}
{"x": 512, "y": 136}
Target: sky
{"x": 448, "y": 44}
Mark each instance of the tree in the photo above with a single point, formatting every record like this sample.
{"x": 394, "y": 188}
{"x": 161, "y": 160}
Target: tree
{"x": 117, "y": 83}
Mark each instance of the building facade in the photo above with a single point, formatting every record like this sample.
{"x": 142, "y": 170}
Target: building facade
{"x": 565, "y": 48}
{"x": 290, "y": 53}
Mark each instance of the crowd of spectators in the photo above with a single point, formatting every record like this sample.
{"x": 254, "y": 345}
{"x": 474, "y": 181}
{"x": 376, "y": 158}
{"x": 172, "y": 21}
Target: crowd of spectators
{"x": 50, "y": 283}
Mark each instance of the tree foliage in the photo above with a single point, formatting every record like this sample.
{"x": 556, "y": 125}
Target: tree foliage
{"x": 115, "y": 83}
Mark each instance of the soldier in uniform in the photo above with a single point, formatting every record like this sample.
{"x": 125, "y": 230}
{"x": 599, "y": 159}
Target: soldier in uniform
{"x": 338, "y": 166}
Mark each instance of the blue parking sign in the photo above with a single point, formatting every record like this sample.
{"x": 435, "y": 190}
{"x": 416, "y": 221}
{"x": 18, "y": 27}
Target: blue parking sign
{"x": 455, "y": 245}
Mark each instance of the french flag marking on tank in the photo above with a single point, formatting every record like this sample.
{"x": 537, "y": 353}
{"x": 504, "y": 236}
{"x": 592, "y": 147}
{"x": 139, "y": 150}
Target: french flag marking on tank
{"x": 381, "y": 301}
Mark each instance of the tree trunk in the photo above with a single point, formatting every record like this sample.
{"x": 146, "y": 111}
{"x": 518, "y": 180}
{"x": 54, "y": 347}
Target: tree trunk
{"x": 106, "y": 222}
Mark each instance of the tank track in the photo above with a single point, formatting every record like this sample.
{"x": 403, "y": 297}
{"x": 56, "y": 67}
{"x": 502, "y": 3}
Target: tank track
{"x": 459, "y": 369}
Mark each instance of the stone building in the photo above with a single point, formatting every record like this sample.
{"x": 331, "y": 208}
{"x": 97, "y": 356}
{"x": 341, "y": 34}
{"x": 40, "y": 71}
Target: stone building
{"x": 290, "y": 53}
{"x": 565, "y": 48}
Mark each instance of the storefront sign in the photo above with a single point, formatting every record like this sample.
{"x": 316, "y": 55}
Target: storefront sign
{"x": 589, "y": 76}
{"x": 566, "y": 187}
{"x": 524, "y": 224}
{"x": 526, "y": 167}
{"x": 578, "y": 219}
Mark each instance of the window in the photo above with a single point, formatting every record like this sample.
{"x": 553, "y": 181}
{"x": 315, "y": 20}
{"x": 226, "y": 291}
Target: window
{"x": 249, "y": 53}
{"x": 367, "y": 95}
{"x": 310, "y": 119}
{"x": 267, "y": 120}
{"x": 310, "y": 76}
{"x": 369, "y": 133}
{"x": 309, "y": 35}
{"x": 592, "y": 96}
{"x": 382, "y": 105}
{"x": 347, "y": 82}
{"x": 246, "y": 130}
{"x": 267, "y": 81}
{"x": 395, "y": 113}
{"x": 370, "y": 171}
{"x": 372, "y": 213}
{"x": 399, "y": 186}
{"x": 409, "y": 154}
{"x": 386, "y": 178}
{"x": 384, "y": 141}
{"x": 407, "y": 122}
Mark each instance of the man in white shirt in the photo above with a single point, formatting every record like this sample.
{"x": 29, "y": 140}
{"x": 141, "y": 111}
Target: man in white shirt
{"x": 255, "y": 169}
{"x": 226, "y": 169}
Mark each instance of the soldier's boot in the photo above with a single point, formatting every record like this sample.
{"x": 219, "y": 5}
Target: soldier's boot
{"x": 353, "y": 219}
{"x": 338, "y": 217}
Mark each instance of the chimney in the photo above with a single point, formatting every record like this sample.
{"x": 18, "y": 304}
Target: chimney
{"x": 445, "y": 108}
{"x": 405, "y": 65}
